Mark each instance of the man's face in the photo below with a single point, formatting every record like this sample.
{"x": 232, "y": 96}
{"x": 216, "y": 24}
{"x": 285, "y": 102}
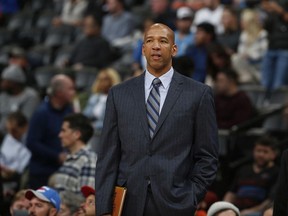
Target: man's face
{"x": 89, "y": 206}
{"x": 159, "y": 6}
{"x": 68, "y": 136}
{"x": 202, "y": 37}
{"x": 112, "y": 6}
{"x": 21, "y": 204}
{"x": 89, "y": 27}
{"x": 105, "y": 82}
{"x": 263, "y": 155}
{"x": 227, "y": 19}
{"x": 222, "y": 84}
{"x": 67, "y": 92}
{"x": 158, "y": 49}
{"x": 41, "y": 208}
{"x": 183, "y": 25}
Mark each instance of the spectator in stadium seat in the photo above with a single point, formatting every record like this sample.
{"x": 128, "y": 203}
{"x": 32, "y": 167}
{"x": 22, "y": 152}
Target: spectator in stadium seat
{"x": 211, "y": 13}
{"x": 275, "y": 62}
{"x": 232, "y": 105}
{"x": 96, "y": 105}
{"x": 252, "y": 47}
{"x": 87, "y": 51}
{"x": 230, "y": 36}
{"x": 79, "y": 167}
{"x": 218, "y": 59}
{"x": 18, "y": 56}
{"x": 205, "y": 36}
{"x": 19, "y": 204}
{"x": 251, "y": 188}
{"x": 70, "y": 203}
{"x": 14, "y": 155}
{"x": 88, "y": 207}
{"x": 183, "y": 36}
{"x": 161, "y": 12}
{"x": 15, "y": 95}
{"x": 44, "y": 201}
{"x": 118, "y": 23}
{"x": 45, "y": 125}
{"x": 72, "y": 13}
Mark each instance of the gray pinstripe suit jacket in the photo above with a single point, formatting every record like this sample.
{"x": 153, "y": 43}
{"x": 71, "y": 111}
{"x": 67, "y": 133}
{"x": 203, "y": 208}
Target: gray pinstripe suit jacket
{"x": 180, "y": 160}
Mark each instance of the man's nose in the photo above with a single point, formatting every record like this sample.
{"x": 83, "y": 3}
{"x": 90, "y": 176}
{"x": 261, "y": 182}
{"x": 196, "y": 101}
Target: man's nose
{"x": 156, "y": 45}
{"x": 31, "y": 211}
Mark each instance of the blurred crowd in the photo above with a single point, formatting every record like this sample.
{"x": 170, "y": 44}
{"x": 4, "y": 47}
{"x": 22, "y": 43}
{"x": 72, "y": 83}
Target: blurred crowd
{"x": 59, "y": 58}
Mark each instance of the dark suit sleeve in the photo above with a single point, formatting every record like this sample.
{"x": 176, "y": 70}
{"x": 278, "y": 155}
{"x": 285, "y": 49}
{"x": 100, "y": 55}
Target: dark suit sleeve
{"x": 280, "y": 202}
{"x": 205, "y": 154}
{"x": 108, "y": 160}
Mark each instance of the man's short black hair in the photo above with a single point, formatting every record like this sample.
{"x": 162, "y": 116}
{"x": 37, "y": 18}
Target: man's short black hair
{"x": 208, "y": 28}
{"x": 81, "y": 123}
{"x": 267, "y": 141}
{"x": 231, "y": 74}
{"x": 19, "y": 118}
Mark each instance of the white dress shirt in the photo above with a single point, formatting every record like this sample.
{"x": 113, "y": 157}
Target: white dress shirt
{"x": 14, "y": 154}
{"x": 164, "y": 87}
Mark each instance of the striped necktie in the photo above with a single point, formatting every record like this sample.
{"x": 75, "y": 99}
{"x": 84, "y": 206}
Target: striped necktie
{"x": 153, "y": 106}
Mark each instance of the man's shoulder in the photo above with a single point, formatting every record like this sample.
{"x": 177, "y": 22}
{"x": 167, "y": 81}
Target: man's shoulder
{"x": 87, "y": 154}
{"x": 42, "y": 110}
{"x": 128, "y": 83}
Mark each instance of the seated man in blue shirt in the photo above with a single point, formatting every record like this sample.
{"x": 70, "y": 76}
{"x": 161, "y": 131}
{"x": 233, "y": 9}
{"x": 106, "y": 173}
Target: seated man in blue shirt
{"x": 205, "y": 35}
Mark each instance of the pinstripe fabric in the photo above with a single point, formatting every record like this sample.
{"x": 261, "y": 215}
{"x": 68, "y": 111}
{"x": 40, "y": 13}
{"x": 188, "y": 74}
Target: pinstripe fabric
{"x": 153, "y": 106}
{"x": 180, "y": 161}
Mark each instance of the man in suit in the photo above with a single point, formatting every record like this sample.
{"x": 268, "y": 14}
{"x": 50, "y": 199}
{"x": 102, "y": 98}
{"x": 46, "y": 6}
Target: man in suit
{"x": 159, "y": 138}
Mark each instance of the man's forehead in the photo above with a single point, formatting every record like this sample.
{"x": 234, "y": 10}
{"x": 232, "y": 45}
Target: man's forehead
{"x": 36, "y": 199}
{"x": 159, "y": 32}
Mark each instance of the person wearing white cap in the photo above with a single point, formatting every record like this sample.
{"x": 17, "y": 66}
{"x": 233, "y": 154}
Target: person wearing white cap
{"x": 44, "y": 201}
{"x": 15, "y": 95}
{"x": 183, "y": 36}
{"x": 223, "y": 208}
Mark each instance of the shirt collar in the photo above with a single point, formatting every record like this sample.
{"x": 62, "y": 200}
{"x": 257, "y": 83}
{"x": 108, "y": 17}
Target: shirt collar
{"x": 165, "y": 78}
{"x": 77, "y": 154}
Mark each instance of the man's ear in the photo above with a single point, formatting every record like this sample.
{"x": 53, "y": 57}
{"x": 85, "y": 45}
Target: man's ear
{"x": 52, "y": 212}
{"x": 143, "y": 52}
{"x": 174, "y": 50}
{"x": 76, "y": 134}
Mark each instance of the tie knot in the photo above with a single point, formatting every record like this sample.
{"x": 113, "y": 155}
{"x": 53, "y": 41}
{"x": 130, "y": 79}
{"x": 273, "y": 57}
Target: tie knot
{"x": 156, "y": 82}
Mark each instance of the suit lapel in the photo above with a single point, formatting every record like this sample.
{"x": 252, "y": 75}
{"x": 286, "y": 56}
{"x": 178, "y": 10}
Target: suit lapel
{"x": 139, "y": 93}
{"x": 173, "y": 93}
